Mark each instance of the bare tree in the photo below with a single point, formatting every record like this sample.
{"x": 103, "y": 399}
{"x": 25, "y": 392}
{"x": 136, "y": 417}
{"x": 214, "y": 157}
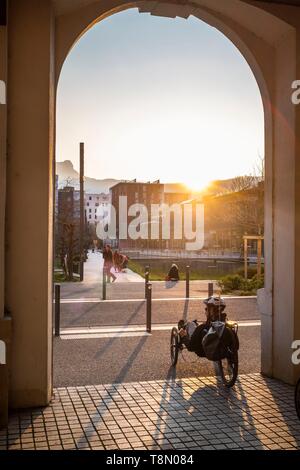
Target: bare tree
{"x": 247, "y": 208}
{"x": 242, "y": 183}
{"x": 67, "y": 245}
{"x": 239, "y": 209}
{"x": 67, "y": 232}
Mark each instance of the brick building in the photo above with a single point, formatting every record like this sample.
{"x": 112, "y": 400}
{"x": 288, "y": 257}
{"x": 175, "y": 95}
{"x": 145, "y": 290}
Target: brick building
{"x": 136, "y": 193}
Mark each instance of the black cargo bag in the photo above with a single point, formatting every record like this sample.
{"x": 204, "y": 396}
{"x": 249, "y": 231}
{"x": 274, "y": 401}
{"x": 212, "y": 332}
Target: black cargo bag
{"x": 195, "y": 344}
{"x": 217, "y": 341}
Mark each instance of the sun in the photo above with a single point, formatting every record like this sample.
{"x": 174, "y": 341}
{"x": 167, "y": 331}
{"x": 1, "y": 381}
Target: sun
{"x": 197, "y": 185}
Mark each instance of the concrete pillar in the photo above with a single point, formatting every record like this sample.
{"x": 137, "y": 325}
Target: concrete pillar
{"x": 30, "y": 128}
{"x": 5, "y": 360}
{"x": 296, "y": 319}
{"x": 286, "y": 275}
{"x": 5, "y": 323}
{"x": 3, "y": 81}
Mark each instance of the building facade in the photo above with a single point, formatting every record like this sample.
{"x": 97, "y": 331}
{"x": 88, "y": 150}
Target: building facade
{"x": 136, "y": 193}
{"x": 96, "y": 206}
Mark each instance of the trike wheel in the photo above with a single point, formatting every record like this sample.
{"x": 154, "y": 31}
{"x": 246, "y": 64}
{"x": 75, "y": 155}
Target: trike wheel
{"x": 297, "y": 398}
{"x": 230, "y": 365}
{"x": 174, "y": 346}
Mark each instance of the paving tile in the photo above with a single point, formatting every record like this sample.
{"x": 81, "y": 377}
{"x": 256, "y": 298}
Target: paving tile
{"x": 193, "y": 413}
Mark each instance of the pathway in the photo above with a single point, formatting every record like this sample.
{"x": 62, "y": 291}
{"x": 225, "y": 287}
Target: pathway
{"x": 187, "y": 413}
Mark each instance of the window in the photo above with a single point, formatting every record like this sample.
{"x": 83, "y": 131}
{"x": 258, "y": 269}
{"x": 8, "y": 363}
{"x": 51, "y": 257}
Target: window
{"x": 90, "y": 217}
{"x": 90, "y": 211}
{"x": 95, "y": 217}
{"x": 88, "y": 204}
{"x": 90, "y": 198}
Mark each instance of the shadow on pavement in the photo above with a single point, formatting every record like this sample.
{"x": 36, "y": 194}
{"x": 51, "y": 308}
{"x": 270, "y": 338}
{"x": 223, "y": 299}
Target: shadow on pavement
{"x": 112, "y": 340}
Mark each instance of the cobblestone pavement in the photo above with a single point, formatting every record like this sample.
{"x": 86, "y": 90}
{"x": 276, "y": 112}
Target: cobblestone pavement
{"x": 194, "y": 413}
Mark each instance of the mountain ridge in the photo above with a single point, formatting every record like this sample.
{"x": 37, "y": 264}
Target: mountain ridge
{"x": 68, "y": 175}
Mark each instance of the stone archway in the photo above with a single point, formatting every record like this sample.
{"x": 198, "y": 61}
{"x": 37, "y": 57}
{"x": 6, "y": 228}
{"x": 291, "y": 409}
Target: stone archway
{"x": 255, "y": 50}
{"x": 267, "y": 38}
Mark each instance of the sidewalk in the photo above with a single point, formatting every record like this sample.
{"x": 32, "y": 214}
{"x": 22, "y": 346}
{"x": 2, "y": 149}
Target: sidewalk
{"x": 195, "y": 413}
{"x": 93, "y": 271}
{"x": 92, "y": 284}
{"x": 129, "y": 285}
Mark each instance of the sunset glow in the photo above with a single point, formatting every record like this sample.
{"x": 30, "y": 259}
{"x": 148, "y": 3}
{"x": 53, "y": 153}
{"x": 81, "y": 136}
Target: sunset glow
{"x": 145, "y": 95}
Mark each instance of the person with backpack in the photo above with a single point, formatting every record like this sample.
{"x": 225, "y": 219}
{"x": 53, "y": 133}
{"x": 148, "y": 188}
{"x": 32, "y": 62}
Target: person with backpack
{"x": 124, "y": 262}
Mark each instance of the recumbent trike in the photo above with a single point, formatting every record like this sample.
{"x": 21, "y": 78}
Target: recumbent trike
{"x": 216, "y": 339}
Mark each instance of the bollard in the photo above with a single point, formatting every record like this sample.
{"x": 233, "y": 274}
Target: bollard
{"x": 210, "y": 289}
{"x": 146, "y": 282}
{"x": 187, "y": 287}
{"x": 57, "y": 310}
{"x": 104, "y": 284}
{"x": 149, "y": 308}
{"x": 81, "y": 272}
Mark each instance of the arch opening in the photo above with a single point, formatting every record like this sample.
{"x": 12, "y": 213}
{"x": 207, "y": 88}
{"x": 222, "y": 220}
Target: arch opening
{"x": 250, "y": 60}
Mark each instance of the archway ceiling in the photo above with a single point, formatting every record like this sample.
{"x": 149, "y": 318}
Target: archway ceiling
{"x": 243, "y": 12}
{"x": 65, "y": 6}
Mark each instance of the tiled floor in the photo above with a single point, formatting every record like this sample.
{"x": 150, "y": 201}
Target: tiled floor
{"x": 187, "y": 414}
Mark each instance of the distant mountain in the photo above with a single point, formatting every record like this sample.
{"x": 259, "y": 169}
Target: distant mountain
{"x": 66, "y": 173}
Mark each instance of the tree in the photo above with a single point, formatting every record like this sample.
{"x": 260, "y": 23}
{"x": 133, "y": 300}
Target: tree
{"x": 67, "y": 231}
{"x": 247, "y": 208}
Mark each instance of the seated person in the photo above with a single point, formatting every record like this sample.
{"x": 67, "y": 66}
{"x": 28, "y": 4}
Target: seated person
{"x": 191, "y": 333}
{"x": 173, "y": 274}
{"x": 214, "y": 309}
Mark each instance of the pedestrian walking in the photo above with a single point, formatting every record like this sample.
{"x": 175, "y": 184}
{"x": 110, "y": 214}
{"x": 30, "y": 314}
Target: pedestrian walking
{"x": 108, "y": 263}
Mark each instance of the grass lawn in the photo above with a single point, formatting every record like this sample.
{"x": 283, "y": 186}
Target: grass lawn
{"x": 158, "y": 271}
{"x": 59, "y": 277}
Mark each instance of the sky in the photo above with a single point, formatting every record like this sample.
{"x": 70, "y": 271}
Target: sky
{"x": 158, "y": 98}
